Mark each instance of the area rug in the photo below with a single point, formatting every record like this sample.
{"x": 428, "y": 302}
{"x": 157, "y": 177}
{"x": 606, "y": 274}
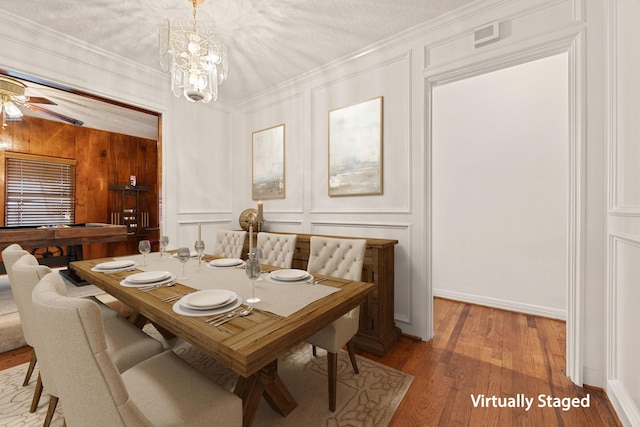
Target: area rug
{"x": 367, "y": 399}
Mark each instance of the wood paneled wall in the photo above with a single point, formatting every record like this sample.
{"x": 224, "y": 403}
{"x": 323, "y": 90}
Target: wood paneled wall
{"x": 103, "y": 158}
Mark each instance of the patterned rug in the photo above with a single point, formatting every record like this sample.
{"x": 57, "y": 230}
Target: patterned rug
{"x": 367, "y": 399}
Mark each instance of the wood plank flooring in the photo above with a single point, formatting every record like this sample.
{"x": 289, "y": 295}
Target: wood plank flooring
{"x": 479, "y": 351}
{"x": 484, "y": 351}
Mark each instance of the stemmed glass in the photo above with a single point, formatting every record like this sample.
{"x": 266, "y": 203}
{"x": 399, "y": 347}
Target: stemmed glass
{"x": 144, "y": 247}
{"x": 199, "y": 247}
{"x": 164, "y": 242}
{"x": 253, "y": 269}
{"x": 183, "y": 256}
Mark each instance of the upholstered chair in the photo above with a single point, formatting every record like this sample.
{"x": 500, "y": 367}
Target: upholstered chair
{"x": 161, "y": 391}
{"x": 229, "y": 243}
{"x": 26, "y": 273}
{"x": 342, "y": 258}
{"x": 128, "y": 344}
{"x": 277, "y": 249}
{"x": 10, "y": 255}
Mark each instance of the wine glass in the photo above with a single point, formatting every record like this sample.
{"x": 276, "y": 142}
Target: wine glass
{"x": 199, "y": 247}
{"x": 253, "y": 270}
{"x": 144, "y": 247}
{"x": 164, "y": 242}
{"x": 183, "y": 256}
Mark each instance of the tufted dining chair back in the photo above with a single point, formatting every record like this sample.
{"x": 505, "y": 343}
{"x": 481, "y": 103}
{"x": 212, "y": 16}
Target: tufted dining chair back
{"x": 162, "y": 390}
{"x": 277, "y": 249}
{"x": 229, "y": 243}
{"x": 342, "y": 258}
{"x": 335, "y": 257}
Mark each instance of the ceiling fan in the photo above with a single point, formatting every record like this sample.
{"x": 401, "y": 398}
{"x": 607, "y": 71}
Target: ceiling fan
{"x": 13, "y": 99}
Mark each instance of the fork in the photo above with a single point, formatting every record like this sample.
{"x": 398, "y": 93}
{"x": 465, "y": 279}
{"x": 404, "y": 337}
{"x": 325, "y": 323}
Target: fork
{"x": 173, "y": 297}
{"x": 222, "y": 316}
{"x": 243, "y": 313}
{"x": 153, "y": 287}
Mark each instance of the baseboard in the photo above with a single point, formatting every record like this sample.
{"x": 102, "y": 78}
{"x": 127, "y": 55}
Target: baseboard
{"x": 502, "y": 304}
{"x": 623, "y": 403}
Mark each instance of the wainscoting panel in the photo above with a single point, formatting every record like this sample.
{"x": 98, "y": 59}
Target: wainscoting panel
{"x": 623, "y": 319}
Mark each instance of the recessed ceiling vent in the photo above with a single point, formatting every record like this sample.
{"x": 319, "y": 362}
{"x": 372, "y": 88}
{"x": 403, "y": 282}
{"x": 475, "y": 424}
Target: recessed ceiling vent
{"x": 486, "y": 34}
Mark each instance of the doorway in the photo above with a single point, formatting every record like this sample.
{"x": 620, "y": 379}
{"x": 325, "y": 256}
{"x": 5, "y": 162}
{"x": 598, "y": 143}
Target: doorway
{"x": 501, "y": 187}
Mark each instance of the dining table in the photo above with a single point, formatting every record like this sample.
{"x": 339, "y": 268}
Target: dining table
{"x": 287, "y": 314}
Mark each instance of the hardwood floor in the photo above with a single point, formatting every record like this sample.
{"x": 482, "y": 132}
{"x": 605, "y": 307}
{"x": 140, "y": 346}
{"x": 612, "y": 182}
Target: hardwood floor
{"x": 480, "y": 351}
{"x": 484, "y": 351}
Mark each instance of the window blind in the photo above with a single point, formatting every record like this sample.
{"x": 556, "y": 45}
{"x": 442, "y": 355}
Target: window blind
{"x": 39, "y": 191}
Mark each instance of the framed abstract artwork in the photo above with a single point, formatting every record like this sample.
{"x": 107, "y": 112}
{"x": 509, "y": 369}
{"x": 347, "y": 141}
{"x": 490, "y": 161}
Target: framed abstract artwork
{"x": 268, "y": 163}
{"x": 355, "y": 149}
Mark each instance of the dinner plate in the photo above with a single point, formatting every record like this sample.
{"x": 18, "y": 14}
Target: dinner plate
{"x": 209, "y": 299}
{"x": 303, "y": 281}
{"x": 148, "y": 277}
{"x": 115, "y": 265}
{"x": 289, "y": 275}
{"x": 128, "y": 284}
{"x": 226, "y": 262}
{"x": 180, "y": 308}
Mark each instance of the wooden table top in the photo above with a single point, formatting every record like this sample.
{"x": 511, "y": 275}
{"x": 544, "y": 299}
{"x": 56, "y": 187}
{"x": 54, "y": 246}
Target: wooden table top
{"x": 247, "y": 344}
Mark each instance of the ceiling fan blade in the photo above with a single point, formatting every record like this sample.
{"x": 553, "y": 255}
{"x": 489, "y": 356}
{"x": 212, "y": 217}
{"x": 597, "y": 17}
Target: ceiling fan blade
{"x": 40, "y": 100}
{"x": 55, "y": 114}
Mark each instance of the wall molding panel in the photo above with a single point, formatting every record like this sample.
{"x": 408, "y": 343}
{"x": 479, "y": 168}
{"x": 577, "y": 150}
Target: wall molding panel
{"x": 617, "y": 391}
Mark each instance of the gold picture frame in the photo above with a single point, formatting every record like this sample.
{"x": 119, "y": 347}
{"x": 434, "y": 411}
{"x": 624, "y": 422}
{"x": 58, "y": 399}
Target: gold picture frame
{"x": 355, "y": 149}
{"x": 268, "y": 163}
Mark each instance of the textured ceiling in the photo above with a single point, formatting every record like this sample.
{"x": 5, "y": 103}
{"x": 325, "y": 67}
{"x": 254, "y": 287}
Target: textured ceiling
{"x": 269, "y": 41}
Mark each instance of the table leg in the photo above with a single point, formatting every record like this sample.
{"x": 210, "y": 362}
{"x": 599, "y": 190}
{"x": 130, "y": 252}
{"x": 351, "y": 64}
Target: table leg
{"x": 265, "y": 383}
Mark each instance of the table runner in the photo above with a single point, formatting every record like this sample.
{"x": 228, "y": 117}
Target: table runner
{"x": 280, "y": 299}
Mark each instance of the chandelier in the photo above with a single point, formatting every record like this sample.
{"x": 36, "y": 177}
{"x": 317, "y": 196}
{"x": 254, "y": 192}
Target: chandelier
{"x": 196, "y": 59}
{"x": 10, "y": 90}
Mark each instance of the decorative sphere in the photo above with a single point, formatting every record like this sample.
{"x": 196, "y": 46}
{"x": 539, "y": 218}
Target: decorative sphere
{"x": 248, "y": 217}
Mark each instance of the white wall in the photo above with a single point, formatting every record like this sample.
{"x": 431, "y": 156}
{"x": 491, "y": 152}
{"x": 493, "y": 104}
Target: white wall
{"x": 500, "y": 188}
{"x": 623, "y": 290}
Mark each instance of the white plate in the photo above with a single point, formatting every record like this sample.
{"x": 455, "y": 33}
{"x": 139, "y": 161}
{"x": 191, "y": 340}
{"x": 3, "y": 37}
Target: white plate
{"x": 304, "y": 281}
{"x": 115, "y": 265}
{"x": 208, "y": 299}
{"x": 226, "y": 262}
{"x": 148, "y": 277}
{"x": 291, "y": 275}
{"x": 180, "y": 308}
{"x": 128, "y": 284}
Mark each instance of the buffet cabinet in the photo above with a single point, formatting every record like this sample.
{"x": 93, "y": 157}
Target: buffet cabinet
{"x": 377, "y": 332}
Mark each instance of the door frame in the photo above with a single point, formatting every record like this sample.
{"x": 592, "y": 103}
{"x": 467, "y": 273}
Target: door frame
{"x": 569, "y": 42}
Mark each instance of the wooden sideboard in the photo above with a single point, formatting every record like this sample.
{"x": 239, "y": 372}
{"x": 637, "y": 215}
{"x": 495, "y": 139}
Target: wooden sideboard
{"x": 378, "y": 331}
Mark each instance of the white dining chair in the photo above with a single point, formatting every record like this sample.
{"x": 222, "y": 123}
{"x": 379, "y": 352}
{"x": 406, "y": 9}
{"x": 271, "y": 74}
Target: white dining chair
{"x": 128, "y": 344}
{"x": 161, "y": 391}
{"x": 229, "y": 243}
{"x": 277, "y": 249}
{"x": 10, "y": 255}
{"x": 342, "y": 258}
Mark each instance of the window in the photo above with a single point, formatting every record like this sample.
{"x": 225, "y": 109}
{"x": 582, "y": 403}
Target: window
{"x": 39, "y": 190}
